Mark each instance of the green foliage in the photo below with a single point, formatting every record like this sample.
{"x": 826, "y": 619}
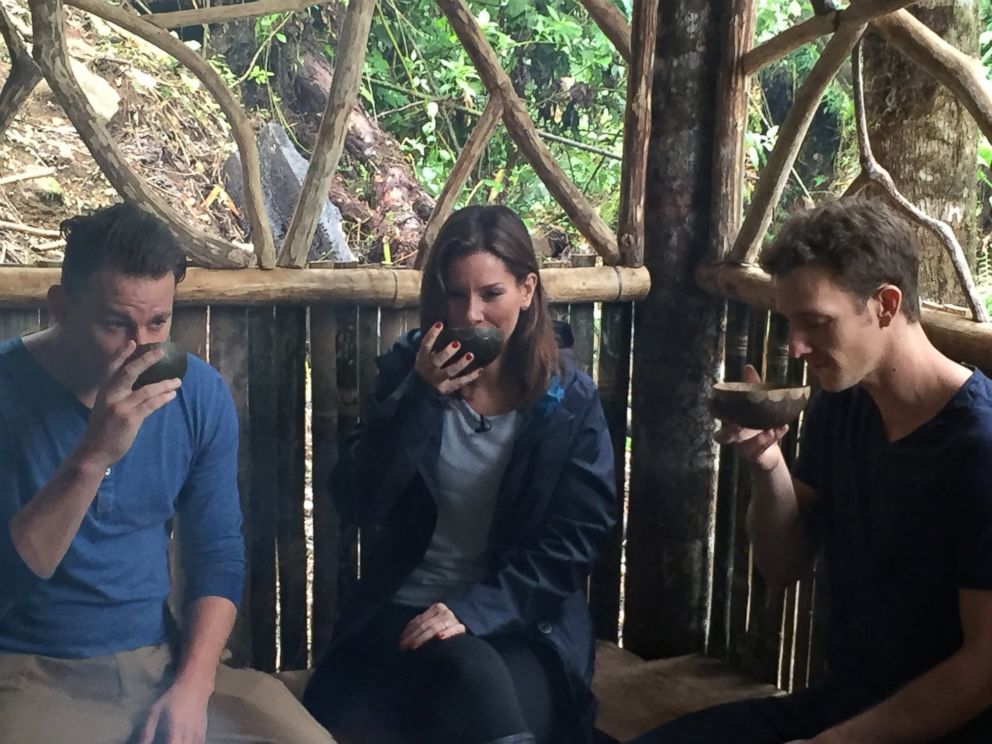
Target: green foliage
{"x": 422, "y": 87}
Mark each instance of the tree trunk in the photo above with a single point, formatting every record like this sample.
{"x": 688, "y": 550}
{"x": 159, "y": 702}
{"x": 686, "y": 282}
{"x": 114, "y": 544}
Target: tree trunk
{"x": 927, "y": 140}
{"x": 677, "y": 347}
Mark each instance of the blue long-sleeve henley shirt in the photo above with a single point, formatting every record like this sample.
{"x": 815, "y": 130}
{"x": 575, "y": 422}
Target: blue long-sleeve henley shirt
{"x": 109, "y": 592}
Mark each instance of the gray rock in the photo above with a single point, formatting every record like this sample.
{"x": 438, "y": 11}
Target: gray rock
{"x": 283, "y": 172}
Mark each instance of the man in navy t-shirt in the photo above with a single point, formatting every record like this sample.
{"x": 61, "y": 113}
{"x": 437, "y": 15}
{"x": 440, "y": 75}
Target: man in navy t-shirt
{"x": 893, "y": 487}
{"x": 91, "y": 474}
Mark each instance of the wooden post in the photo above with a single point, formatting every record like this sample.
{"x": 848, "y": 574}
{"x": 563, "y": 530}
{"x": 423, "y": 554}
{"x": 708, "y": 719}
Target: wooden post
{"x": 637, "y": 133}
{"x": 229, "y": 355}
{"x": 330, "y": 138}
{"x": 289, "y": 357}
{"x": 24, "y": 72}
{"x": 264, "y": 486}
{"x": 348, "y": 410}
{"x": 731, "y": 124}
{"x": 468, "y": 158}
{"x": 521, "y": 129}
{"x": 614, "y": 388}
{"x": 725, "y": 559}
{"x": 673, "y": 462}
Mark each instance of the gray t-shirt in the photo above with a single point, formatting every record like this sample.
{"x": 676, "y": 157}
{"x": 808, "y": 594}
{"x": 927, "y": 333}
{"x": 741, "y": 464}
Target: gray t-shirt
{"x": 474, "y": 454}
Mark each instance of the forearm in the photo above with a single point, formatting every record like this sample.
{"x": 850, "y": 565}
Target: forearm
{"x": 207, "y": 626}
{"x": 934, "y": 704}
{"x": 43, "y": 529}
{"x": 779, "y": 536}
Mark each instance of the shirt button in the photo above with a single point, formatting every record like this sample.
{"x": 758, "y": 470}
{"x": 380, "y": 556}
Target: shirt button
{"x": 107, "y": 473}
{"x": 544, "y": 628}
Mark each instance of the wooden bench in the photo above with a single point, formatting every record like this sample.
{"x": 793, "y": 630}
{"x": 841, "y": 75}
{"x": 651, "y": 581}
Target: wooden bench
{"x": 636, "y": 695}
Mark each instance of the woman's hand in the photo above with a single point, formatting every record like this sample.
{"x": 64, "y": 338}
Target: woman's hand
{"x": 437, "y": 621}
{"x": 429, "y": 364}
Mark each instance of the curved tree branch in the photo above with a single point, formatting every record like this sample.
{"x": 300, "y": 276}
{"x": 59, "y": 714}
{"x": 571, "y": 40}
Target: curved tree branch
{"x": 261, "y": 232}
{"x": 612, "y": 23}
{"x": 24, "y": 72}
{"x": 878, "y": 175}
{"x": 773, "y": 178}
{"x": 50, "y": 53}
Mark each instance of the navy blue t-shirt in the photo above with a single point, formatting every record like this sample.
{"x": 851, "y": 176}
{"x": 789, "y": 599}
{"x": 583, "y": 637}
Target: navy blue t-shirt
{"x": 904, "y": 525}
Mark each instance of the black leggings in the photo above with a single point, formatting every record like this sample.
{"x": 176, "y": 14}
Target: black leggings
{"x": 464, "y": 690}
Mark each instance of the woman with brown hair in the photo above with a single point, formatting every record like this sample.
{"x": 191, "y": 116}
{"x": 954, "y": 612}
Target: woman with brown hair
{"x": 483, "y": 495}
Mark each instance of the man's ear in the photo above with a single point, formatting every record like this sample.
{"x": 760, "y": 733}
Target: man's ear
{"x": 889, "y": 298}
{"x": 58, "y": 303}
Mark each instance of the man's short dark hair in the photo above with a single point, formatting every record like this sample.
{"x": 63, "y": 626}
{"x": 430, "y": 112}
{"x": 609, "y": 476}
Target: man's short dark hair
{"x": 124, "y": 237}
{"x": 862, "y": 243}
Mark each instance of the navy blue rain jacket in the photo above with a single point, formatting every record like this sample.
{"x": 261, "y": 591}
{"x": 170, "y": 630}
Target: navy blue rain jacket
{"x": 556, "y": 506}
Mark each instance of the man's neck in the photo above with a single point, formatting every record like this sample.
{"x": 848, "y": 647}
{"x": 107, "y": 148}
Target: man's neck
{"x": 48, "y": 348}
{"x": 913, "y": 383}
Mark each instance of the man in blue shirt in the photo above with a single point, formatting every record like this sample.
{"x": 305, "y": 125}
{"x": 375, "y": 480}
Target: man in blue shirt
{"x": 893, "y": 486}
{"x": 91, "y": 475}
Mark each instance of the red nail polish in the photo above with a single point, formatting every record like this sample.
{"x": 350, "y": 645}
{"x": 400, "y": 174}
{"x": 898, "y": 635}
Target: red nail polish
{"x": 455, "y": 345}
{"x": 437, "y": 326}
{"x": 468, "y": 357}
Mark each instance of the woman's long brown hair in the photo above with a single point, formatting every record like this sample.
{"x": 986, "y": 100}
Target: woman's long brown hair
{"x": 531, "y": 354}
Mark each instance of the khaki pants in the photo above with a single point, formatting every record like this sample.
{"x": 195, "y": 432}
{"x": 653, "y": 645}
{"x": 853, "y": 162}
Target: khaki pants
{"x": 105, "y": 700}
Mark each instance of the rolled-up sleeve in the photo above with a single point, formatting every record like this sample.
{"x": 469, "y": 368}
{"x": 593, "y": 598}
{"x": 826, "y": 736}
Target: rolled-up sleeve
{"x": 209, "y": 509}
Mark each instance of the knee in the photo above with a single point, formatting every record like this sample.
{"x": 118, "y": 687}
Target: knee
{"x": 465, "y": 662}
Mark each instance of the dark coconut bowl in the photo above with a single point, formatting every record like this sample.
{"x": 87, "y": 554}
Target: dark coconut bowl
{"x": 484, "y": 343}
{"x": 758, "y": 405}
{"x": 173, "y": 364}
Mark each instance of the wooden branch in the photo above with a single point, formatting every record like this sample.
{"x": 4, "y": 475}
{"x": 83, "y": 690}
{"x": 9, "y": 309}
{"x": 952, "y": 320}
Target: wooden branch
{"x": 637, "y": 135}
{"x": 475, "y": 145}
{"x": 959, "y": 338}
{"x": 261, "y": 232}
{"x": 960, "y": 73}
{"x": 731, "y": 122}
{"x": 38, "y": 232}
{"x": 50, "y": 53}
{"x": 773, "y": 177}
{"x": 227, "y": 13}
{"x": 386, "y": 287}
{"x": 349, "y": 60}
{"x": 815, "y": 27}
{"x": 24, "y": 72}
{"x": 880, "y": 176}
{"x": 26, "y": 175}
{"x": 856, "y": 186}
{"x": 612, "y": 23}
{"x": 521, "y": 129}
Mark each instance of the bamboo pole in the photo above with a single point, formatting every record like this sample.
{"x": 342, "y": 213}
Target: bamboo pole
{"x": 333, "y": 128}
{"x": 881, "y": 177}
{"x": 468, "y": 158}
{"x": 388, "y": 287}
{"x": 959, "y": 338}
{"x": 637, "y": 134}
{"x": 521, "y": 129}
{"x": 50, "y": 53}
{"x": 612, "y": 23}
{"x": 228, "y": 13}
{"x": 261, "y": 232}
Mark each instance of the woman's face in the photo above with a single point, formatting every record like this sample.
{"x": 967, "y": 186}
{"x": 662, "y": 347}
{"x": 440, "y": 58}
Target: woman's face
{"x": 480, "y": 291}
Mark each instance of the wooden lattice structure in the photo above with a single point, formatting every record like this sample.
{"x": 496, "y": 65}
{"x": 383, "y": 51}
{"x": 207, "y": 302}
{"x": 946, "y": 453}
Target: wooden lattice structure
{"x": 262, "y": 326}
